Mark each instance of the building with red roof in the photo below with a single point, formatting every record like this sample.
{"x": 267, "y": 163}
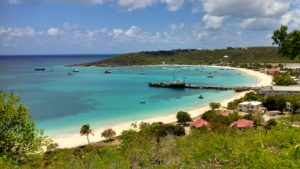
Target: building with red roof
{"x": 243, "y": 123}
{"x": 200, "y": 123}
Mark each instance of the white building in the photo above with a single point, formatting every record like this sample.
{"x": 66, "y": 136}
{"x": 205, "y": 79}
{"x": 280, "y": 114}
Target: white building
{"x": 279, "y": 90}
{"x": 251, "y": 107}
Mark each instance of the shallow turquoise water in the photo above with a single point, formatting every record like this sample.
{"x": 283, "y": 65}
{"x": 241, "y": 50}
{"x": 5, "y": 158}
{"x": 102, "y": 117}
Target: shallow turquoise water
{"x": 61, "y": 103}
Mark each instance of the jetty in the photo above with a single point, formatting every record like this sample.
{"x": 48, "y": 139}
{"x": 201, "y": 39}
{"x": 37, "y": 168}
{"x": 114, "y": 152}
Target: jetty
{"x": 182, "y": 85}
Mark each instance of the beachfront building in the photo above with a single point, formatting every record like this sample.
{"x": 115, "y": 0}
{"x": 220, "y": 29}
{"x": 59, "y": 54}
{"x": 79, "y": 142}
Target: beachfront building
{"x": 242, "y": 124}
{"x": 279, "y": 90}
{"x": 200, "y": 123}
{"x": 270, "y": 71}
{"x": 251, "y": 107}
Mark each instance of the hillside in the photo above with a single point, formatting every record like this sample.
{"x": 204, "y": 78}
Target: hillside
{"x": 222, "y": 148}
{"x": 195, "y": 57}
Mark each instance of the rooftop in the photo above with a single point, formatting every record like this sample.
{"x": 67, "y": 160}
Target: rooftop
{"x": 200, "y": 123}
{"x": 254, "y": 103}
{"x": 243, "y": 123}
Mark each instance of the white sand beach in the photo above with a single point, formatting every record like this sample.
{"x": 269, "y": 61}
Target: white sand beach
{"x": 74, "y": 140}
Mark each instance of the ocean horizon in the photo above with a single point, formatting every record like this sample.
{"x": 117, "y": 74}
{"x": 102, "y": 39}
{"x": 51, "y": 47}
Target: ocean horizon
{"x": 62, "y": 103}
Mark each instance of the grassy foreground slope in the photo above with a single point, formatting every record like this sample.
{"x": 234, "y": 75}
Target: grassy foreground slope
{"x": 228, "y": 148}
{"x": 193, "y": 57}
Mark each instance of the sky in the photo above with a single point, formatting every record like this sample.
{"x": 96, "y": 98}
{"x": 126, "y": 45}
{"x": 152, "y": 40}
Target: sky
{"x": 121, "y": 26}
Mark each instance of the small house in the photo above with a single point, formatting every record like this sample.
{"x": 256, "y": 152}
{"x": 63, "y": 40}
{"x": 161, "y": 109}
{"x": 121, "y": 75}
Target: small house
{"x": 243, "y": 123}
{"x": 200, "y": 123}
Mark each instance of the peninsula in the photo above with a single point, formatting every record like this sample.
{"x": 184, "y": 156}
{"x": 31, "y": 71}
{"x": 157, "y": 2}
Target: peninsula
{"x": 231, "y": 56}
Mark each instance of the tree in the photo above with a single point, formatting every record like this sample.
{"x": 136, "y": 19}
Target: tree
{"x": 109, "y": 133}
{"x": 86, "y": 130}
{"x": 18, "y": 135}
{"x": 270, "y": 124}
{"x": 295, "y": 110}
{"x": 270, "y": 102}
{"x": 289, "y": 43}
{"x": 183, "y": 117}
{"x": 258, "y": 120}
{"x": 214, "y": 105}
{"x": 280, "y": 104}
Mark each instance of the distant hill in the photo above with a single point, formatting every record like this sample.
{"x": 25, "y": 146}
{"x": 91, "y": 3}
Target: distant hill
{"x": 195, "y": 57}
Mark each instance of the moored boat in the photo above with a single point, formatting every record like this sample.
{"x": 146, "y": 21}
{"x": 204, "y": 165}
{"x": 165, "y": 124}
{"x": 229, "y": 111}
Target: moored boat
{"x": 176, "y": 84}
{"x": 40, "y": 69}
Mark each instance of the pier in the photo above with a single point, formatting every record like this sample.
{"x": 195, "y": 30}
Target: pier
{"x": 193, "y": 86}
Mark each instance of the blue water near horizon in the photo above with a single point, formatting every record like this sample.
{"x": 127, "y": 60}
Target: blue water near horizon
{"x": 61, "y": 103}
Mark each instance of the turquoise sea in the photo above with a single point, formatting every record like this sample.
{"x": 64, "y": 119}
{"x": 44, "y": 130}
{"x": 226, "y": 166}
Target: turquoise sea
{"x": 61, "y": 103}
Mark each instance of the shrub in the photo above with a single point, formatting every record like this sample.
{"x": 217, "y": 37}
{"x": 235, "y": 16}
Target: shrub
{"x": 109, "y": 134}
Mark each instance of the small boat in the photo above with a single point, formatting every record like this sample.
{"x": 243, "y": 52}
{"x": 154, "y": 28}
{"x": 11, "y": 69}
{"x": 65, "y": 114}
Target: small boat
{"x": 201, "y": 97}
{"x": 210, "y": 76}
{"x": 108, "y": 71}
{"x": 75, "y": 70}
{"x": 141, "y": 73}
{"x": 69, "y": 73}
{"x": 40, "y": 69}
{"x": 143, "y": 102}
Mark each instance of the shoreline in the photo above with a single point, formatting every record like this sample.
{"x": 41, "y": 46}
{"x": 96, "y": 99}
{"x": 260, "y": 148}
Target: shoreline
{"x": 77, "y": 140}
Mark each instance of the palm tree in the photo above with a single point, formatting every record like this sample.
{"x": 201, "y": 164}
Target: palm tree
{"x": 86, "y": 130}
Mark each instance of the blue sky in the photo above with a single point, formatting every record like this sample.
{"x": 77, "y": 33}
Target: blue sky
{"x": 118, "y": 26}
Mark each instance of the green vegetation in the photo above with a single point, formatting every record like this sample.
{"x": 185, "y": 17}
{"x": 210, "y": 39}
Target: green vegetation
{"x": 237, "y": 57}
{"x": 270, "y": 102}
{"x": 270, "y": 123}
{"x": 230, "y": 148}
{"x": 18, "y": 135}
{"x": 283, "y": 80}
{"x": 183, "y": 117}
{"x": 86, "y": 131}
{"x": 109, "y": 134}
{"x": 289, "y": 43}
{"x": 213, "y": 106}
{"x": 217, "y": 120}
{"x": 160, "y": 145}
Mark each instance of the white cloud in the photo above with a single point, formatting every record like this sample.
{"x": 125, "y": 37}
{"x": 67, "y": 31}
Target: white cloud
{"x": 291, "y": 18}
{"x": 246, "y": 8}
{"x": 132, "y": 31}
{"x": 17, "y": 32}
{"x": 125, "y": 34}
{"x": 54, "y": 31}
{"x": 259, "y": 23}
{"x": 135, "y": 4}
{"x": 175, "y": 27}
{"x": 117, "y": 32}
{"x": 212, "y": 22}
{"x": 173, "y": 5}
